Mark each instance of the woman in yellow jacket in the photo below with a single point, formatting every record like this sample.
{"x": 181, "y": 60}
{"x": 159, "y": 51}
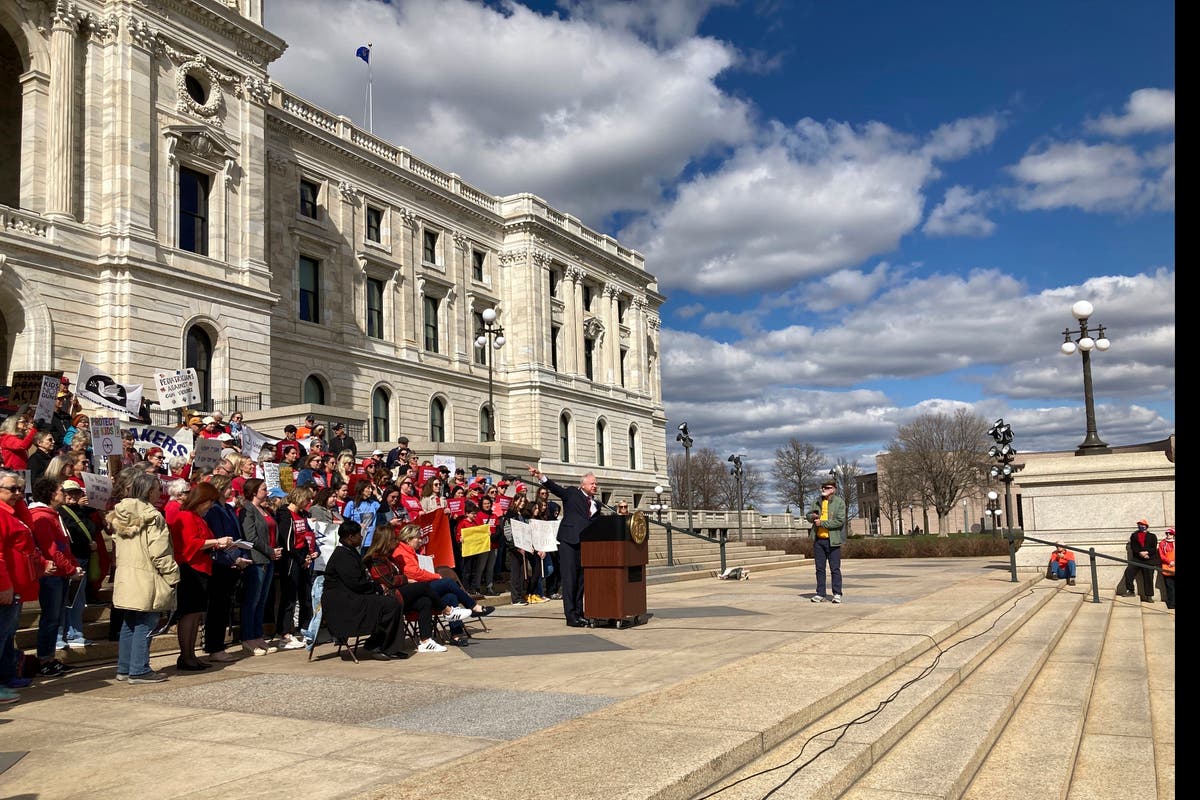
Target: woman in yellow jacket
{"x": 146, "y": 575}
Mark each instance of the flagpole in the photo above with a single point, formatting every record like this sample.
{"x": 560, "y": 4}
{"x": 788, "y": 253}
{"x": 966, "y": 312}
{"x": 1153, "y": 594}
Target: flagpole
{"x": 370, "y": 96}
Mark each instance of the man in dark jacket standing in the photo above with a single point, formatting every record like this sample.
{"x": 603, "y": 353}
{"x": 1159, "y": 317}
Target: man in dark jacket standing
{"x": 342, "y": 441}
{"x": 579, "y": 507}
{"x": 1143, "y": 549}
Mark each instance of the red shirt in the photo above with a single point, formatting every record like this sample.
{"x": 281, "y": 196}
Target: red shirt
{"x": 52, "y": 539}
{"x": 189, "y": 531}
{"x": 272, "y": 528}
{"x": 302, "y": 532}
{"x": 21, "y": 565}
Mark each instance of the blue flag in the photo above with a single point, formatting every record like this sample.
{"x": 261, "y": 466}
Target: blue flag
{"x": 364, "y": 53}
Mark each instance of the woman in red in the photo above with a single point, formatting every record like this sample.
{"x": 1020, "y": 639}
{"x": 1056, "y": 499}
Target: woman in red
{"x": 16, "y": 437}
{"x": 192, "y": 542}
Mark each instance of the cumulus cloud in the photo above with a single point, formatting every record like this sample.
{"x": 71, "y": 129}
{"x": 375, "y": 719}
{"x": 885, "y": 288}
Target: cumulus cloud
{"x": 962, "y": 137}
{"x": 1091, "y": 177}
{"x": 591, "y": 117}
{"x": 1147, "y": 110}
{"x": 664, "y": 22}
{"x": 960, "y": 214}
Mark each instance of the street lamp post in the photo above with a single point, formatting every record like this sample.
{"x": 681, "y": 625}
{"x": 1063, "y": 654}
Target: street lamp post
{"x": 658, "y": 506}
{"x": 993, "y": 510}
{"x": 490, "y": 337}
{"x": 966, "y": 519}
{"x": 736, "y": 472}
{"x": 684, "y": 438}
{"x": 1084, "y": 343}
{"x": 912, "y": 524}
{"x": 1004, "y": 453}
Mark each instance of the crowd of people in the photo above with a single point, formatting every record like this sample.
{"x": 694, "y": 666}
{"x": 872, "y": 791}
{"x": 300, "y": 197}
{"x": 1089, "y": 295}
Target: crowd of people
{"x": 330, "y": 548}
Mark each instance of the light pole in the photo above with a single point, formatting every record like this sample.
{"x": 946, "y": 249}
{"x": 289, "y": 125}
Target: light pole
{"x": 993, "y": 510}
{"x": 684, "y": 438}
{"x": 1004, "y": 453}
{"x": 966, "y": 519}
{"x": 736, "y": 472}
{"x": 490, "y": 337}
{"x": 658, "y": 506}
{"x": 1092, "y": 444}
{"x": 912, "y": 524}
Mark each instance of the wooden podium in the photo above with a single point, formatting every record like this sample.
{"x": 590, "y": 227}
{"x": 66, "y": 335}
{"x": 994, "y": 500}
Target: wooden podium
{"x": 614, "y": 555}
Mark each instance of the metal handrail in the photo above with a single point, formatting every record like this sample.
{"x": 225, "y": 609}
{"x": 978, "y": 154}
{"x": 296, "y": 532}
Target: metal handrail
{"x": 1092, "y": 555}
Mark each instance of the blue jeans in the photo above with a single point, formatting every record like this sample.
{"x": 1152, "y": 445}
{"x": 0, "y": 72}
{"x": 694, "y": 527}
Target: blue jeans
{"x": 1059, "y": 571}
{"x": 544, "y": 572}
{"x": 318, "y": 586}
{"x": 824, "y": 552}
{"x": 53, "y": 597}
{"x": 133, "y": 651}
{"x": 451, "y": 593}
{"x": 256, "y": 583}
{"x": 71, "y": 627}
{"x": 10, "y": 619}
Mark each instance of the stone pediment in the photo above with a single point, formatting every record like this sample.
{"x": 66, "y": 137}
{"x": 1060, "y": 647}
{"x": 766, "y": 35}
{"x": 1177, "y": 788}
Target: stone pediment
{"x": 203, "y": 144}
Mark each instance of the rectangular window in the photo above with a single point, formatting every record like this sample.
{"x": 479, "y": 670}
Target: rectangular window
{"x": 587, "y": 297}
{"x": 374, "y": 224}
{"x": 589, "y": 352}
{"x": 431, "y": 324}
{"x": 193, "y": 211}
{"x": 429, "y": 251}
{"x": 477, "y": 265}
{"x": 554, "y": 279}
{"x": 374, "y": 308}
{"x": 622, "y": 307}
{"x": 480, "y": 352}
{"x": 624, "y": 352}
{"x": 310, "y": 290}
{"x": 554, "y": 329}
{"x": 308, "y": 199}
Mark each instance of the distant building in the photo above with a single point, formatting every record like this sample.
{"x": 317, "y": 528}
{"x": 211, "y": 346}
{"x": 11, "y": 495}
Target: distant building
{"x": 163, "y": 204}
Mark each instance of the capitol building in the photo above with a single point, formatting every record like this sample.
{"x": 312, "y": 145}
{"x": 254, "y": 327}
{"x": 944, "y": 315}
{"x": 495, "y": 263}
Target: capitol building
{"x": 165, "y": 205}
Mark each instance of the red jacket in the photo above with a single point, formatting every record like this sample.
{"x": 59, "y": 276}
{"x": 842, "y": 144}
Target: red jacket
{"x": 1166, "y": 554}
{"x": 14, "y": 451}
{"x": 52, "y": 539}
{"x": 406, "y": 557}
{"x": 21, "y": 565}
{"x": 189, "y": 532}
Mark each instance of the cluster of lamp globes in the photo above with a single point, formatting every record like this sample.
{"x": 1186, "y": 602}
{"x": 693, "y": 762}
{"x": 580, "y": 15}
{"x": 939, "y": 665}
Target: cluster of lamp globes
{"x": 1002, "y": 449}
{"x": 1081, "y": 311}
{"x": 489, "y": 316}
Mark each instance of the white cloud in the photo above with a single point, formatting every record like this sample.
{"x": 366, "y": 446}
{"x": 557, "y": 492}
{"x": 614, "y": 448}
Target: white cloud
{"x": 1147, "y": 110}
{"x": 589, "y": 116}
{"x": 962, "y": 137}
{"x": 1099, "y": 177}
{"x": 663, "y": 21}
{"x": 960, "y": 214}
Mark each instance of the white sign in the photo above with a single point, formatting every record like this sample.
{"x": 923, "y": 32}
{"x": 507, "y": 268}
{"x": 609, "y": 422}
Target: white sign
{"x": 99, "y": 490}
{"x": 545, "y": 534}
{"x": 522, "y": 535}
{"x": 270, "y": 472}
{"x": 447, "y": 461}
{"x": 177, "y": 388}
{"x": 253, "y": 442}
{"x": 96, "y": 387}
{"x": 46, "y": 397}
{"x": 173, "y": 442}
{"x": 106, "y": 441}
{"x": 208, "y": 456}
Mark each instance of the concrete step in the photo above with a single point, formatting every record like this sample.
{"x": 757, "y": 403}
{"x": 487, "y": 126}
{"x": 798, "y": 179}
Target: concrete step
{"x": 1035, "y": 755}
{"x": 1158, "y": 626}
{"x": 861, "y": 720}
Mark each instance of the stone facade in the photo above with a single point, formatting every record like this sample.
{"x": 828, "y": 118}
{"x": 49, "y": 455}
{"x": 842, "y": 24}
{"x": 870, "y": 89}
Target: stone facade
{"x": 166, "y": 205}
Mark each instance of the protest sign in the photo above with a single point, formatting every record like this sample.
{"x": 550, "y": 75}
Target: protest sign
{"x": 500, "y": 505}
{"x": 445, "y": 461}
{"x": 545, "y": 534}
{"x": 27, "y": 387}
{"x": 253, "y": 442}
{"x": 426, "y": 473}
{"x": 177, "y": 388}
{"x": 522, "y": 535}
{"x": 106, "y": 441}
{"x": 456, "y": 505}
{"x": 476, "y": 539}
{"x": 435, "y": 537}
{"x": 174, "y": 442}
{"x": 287, "y": 478}
{"x": 46, "y": 396}
{"x": 99, "y": 490}
{"x": 96, "y": 387}
{"x": 208, "y": 455}
{"x": 270, "y": 471}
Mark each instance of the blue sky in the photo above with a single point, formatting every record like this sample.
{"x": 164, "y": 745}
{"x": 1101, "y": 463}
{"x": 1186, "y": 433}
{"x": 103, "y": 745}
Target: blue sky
{"x": 859, "y": 212}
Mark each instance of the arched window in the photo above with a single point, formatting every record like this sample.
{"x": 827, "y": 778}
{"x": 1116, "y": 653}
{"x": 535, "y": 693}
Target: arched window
{"x": 633, "y": 447}
{"x": 600, "y": 452}
{"x": 437, "y": 420}
{"x": 380, "y": 417}
{"x": 198, "y": 354}
{"x": 485, "y": 428}
{"x": 564, "y": 437}
{"x": 314, "y": 390}
{"x": 11, "y": 67}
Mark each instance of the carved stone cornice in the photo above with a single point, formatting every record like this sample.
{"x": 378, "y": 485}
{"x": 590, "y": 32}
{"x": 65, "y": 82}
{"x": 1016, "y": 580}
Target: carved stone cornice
{"x": 508, "y": 258}
{"x": 255, "y": 88}
{"x": 143, "y": 35}
{"x": 540, "y": 258}
{"x": 252, "y": 43}
{"x": 101, "y": 29}
{"x": 573, "y": 273}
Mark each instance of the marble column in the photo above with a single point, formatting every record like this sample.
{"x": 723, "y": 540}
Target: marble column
{"x": 61, "y": 162}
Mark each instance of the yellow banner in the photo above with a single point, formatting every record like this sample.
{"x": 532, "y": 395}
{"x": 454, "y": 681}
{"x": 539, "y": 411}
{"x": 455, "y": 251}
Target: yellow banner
{"x": 476, "y": 540}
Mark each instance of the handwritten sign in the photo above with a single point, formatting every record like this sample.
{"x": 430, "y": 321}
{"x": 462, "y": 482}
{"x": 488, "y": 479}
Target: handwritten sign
{"x": 270, "y": 472}
{"x": 106, "y": 441}
{"x": 208, "y": 455}
{"x": 27, "y": 387}
{"x": 99, "y": 490}
{"x": 46, "y": 396}
{"x": 177, "y": 388}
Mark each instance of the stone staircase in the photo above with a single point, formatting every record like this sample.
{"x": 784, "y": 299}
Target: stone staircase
{"x": 1046, "y": 695}
{"x": 701, "y": 558}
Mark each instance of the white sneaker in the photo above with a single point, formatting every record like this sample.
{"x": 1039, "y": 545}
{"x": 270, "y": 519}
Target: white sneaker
{"x": 293, "y": 643}
{"x": 457, "y": 614}
{"x": 430, "y": 646}
{"x": 816, "y": 598}
{"x": 837, "y": 598}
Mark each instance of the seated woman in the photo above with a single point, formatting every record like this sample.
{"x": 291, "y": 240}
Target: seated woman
{"x": 405, "y": 556}
{"x": 1062, "y": 564}
{"x": 418, "y": 598}
{"x": 352, "y": 604}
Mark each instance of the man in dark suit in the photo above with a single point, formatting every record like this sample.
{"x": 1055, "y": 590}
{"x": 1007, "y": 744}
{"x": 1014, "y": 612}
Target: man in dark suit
{"x": 579, "y": 506}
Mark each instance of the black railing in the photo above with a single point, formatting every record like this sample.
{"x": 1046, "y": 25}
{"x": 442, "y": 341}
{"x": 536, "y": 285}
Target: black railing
{"x": 1092, "y": 555}
{"x": 230, "y": 405}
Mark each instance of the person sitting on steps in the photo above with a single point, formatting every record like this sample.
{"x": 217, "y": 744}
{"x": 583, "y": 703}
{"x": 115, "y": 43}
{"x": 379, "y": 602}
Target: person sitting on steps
{"x": 1062, "y": 564}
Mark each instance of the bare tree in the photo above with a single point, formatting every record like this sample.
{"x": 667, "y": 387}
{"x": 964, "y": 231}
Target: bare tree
{"x": 753, "y": 487}
{"x": 798, "y": 466}
{"x": 846, "y": 473}
{"x": 943, "y": 458}
{"x": 706, "y": 478}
